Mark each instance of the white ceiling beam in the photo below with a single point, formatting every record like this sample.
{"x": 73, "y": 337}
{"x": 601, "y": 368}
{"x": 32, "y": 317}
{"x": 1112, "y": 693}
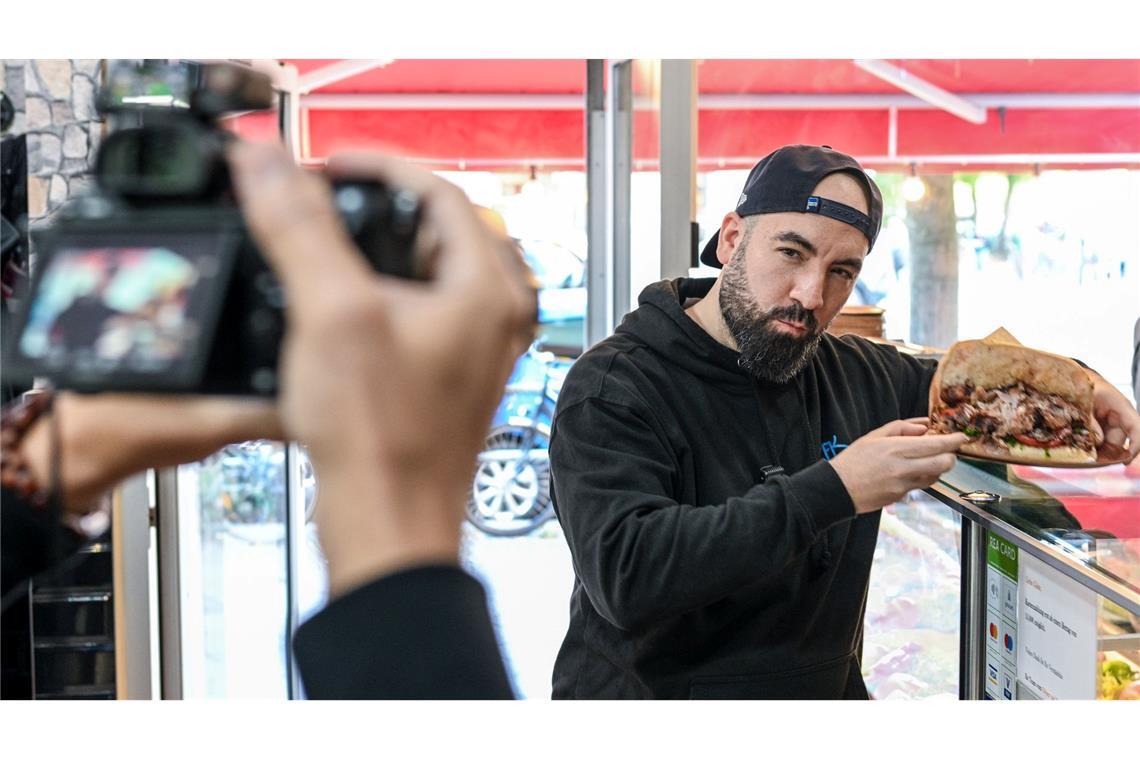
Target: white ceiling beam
{"x": 877, "y": 102}
{"x": 735, "y": 102}
{"x": 920, "y": 88}
{"x": 707, "y": 163}
{"x": 1007, "y": 158}
{"x": 433, "y": 101}
{"x": 335, "y": 72}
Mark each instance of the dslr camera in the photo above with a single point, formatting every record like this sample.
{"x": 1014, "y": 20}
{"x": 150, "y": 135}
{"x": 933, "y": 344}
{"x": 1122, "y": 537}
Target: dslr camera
{"x": 152, "y": 283}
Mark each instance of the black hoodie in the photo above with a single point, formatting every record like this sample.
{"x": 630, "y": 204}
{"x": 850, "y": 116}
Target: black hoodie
{"x": 697, "y": 574}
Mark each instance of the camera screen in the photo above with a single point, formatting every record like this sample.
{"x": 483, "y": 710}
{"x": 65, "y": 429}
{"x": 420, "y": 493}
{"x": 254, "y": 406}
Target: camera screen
{"x": 140, "y": 309}
{"x": 154, "y": 84}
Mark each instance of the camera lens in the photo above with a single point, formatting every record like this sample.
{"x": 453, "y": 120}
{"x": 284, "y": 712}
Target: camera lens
{"x": 350, "y": 200}
{"x": 405, "y": 208}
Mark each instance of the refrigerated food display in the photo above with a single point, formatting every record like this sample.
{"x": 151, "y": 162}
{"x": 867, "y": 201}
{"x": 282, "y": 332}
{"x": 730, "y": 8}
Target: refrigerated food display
{"x": 910, "y": 639}
{"x": 1051, "y": 580}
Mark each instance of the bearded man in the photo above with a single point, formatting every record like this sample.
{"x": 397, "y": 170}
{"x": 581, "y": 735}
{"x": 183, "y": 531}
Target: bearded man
{"x": 720, "y": 462}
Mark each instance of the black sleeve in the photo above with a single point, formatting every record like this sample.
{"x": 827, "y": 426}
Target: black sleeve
{"x": 30, "y": 540}
{"x": 644, "y": 557}
{"x": 422, "y": 633}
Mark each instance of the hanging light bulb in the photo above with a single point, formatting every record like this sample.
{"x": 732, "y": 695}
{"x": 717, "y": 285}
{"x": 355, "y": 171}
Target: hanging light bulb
{"x": 913, "y": 187}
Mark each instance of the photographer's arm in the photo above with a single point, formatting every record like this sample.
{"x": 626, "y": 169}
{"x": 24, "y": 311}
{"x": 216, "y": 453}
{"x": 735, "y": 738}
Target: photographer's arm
{"x": 107, "y": 437}
{"x": 391, "y": 385}
{"x": 102, "y": 440}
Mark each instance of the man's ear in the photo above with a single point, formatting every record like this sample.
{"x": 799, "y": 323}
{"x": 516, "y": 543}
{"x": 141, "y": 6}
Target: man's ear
{"x": 731, "y": 233}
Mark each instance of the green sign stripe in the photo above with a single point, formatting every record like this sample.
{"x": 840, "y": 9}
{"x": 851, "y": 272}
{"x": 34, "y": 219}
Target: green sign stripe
{"x": 1001, "y": 554}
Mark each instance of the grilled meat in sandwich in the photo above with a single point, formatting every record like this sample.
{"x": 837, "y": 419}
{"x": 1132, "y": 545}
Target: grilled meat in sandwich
{"x": 1014, "y": 402}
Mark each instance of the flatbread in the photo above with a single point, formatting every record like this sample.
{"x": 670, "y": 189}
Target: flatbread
{"x": 999, "y": 360}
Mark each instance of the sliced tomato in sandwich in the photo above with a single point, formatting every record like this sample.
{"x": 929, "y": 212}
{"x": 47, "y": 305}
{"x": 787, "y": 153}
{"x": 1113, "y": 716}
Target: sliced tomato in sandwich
{"x": 1031, "y": 441}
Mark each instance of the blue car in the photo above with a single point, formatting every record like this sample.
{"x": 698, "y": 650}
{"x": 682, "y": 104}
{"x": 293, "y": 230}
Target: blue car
{"x": 510, "y": 495}
{"x": 561, "y": 276}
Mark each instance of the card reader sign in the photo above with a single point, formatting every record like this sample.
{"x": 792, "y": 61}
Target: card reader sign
{"x": 1001, "y": 618}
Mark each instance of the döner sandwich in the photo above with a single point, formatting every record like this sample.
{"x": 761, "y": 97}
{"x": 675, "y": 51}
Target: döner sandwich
{"x": 1014, "y": 402}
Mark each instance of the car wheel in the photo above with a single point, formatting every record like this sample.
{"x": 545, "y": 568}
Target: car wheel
{"x": 510, "y": 495}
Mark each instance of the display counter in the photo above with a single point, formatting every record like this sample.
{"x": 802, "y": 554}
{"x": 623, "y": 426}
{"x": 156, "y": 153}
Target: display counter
{"x": 1050, "y": 579}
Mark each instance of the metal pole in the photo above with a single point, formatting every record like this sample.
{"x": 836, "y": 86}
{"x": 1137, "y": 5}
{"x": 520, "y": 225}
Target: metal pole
{"x": 678, "y": 166}
{"x": 599, "y": 305}
{"x": 619, "y": 120}
{"x": 290, "y": 111}
{"x": 971, "y": 651}
{"x": 291, "y": 125}
{"x": 905, "y": 80}
{"x": 169, "y": 584}
{"x": 294, "y": 534}
{"x": 130, "y": 525}
{"x": 337, "y": 72}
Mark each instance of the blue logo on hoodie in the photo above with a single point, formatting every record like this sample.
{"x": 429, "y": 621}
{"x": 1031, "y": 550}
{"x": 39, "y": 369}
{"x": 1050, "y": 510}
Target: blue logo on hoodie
{"x": 832, "y": 448}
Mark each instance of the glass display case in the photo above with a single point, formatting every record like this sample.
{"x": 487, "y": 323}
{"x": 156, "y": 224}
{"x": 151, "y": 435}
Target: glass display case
{"x": 1050, "y": 580}
{"x": 911, "y": 624}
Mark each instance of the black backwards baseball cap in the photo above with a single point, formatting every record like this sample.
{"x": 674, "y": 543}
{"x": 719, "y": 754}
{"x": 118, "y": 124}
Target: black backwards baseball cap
{"x": 784, "y": 181}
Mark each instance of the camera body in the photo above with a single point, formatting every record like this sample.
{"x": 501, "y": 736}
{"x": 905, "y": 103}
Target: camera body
{"x": 153, "y": 283}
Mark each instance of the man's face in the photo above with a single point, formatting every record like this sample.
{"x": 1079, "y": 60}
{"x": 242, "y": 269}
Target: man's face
{"x": 785, "y": 278}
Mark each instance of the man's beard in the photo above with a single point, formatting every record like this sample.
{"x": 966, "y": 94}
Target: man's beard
{"x": 765, "y": 352}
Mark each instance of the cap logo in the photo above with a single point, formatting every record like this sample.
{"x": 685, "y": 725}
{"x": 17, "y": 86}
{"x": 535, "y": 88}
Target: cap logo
{"x": 842, "y": 213}
{"x": 743, "y": 198}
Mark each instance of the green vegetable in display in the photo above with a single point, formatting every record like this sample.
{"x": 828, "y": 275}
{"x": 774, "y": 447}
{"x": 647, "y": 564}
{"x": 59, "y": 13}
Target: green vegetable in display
{"x": 1121, "y": 671}
{"x": 1115, "y": 675}
{"x": 971, "y": 431}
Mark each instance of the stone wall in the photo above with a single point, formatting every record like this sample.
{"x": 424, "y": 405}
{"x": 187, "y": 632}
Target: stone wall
{"x": 56, "y": 109}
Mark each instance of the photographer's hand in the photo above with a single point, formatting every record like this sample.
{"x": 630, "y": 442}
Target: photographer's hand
{"x": 391, "y": 384}
{"x": 109, "y": 436}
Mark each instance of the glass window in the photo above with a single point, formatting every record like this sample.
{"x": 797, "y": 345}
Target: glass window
{"x": 1041, "y": 247}
{"x": 545, "y": 212}
{"x": 231, "y": 514}
{"x": 510, "y": 540}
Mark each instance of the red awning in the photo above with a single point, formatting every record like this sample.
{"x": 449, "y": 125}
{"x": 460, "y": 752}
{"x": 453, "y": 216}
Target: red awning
{"x": 512, "y": 113}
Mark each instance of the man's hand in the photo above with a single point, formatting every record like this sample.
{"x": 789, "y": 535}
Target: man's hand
{"x": 391, "y": 384}
{"x": 1117, "y": 423}
{"x": 884, "y": 465}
